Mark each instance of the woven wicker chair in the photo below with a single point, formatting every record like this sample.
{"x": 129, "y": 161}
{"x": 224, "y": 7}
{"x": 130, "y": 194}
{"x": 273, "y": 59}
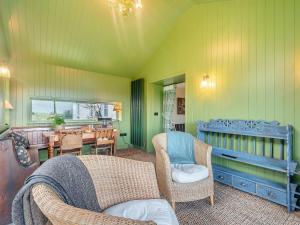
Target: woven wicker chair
{"x": 179, "y": 192}
{"x": 105, "y": 141}
{"x": 116, "y": 180}
{"x": 70, "y": 141}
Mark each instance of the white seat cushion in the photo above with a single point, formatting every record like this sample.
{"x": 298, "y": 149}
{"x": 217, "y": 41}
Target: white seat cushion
{"x": 157, "y": 210}
{"x": 187, "y": 173}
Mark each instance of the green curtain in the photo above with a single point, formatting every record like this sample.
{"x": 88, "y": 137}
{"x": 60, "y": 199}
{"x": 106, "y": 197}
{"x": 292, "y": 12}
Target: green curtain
{"x": 137, "y": 113}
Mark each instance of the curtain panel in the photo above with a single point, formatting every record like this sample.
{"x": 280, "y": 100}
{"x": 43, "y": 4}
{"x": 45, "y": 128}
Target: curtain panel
{"x": 137, "y": 113}
{"x": 169, "y": 104}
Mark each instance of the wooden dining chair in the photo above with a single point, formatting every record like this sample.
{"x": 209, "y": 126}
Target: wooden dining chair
{"x": 105, "y": 141}
{"x": 70, "y": 141}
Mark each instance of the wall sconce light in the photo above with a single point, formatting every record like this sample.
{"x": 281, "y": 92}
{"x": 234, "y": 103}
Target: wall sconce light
{"x": 205, "y": 83}
{"x": 4, "y": 71}
{"x": 8, "y": 105}
{"x": 117, "y": 108}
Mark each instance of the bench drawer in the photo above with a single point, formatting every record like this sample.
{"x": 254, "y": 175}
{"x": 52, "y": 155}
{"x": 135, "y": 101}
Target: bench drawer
{"x": 271, "y": 194}
{"x": 243, "y": 184}
{"x": 223, "y": 177}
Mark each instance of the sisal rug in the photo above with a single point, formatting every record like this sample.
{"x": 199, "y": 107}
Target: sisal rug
{"x": 232, "y": 207}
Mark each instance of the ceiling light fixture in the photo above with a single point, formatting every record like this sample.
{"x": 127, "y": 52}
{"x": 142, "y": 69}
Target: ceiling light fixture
{"x": 126, "y": 6}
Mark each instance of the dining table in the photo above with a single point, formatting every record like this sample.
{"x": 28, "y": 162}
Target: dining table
{"x": 88, "y": 137}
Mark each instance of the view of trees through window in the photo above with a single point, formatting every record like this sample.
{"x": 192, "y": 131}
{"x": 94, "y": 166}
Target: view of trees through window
{"x": 41, "y": 110}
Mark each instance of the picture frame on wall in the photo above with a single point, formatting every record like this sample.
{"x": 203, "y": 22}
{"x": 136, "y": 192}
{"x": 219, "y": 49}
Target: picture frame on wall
{"x": 180, "y": 106}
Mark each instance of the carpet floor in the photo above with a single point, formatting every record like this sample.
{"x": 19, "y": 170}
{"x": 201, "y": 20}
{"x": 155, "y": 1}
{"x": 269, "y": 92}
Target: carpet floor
{"x": 232, "y": 207}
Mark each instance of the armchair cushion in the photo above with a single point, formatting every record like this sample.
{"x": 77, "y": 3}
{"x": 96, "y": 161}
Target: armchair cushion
{"x": 19, "y": 139}
{"x": 156, "y": 210}
{"x": 187, "y": 173}
{"x": 23, "y": 156}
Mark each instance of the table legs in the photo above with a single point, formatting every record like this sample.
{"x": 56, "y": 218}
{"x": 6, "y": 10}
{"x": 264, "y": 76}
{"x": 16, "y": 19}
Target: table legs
{"x": 51, "y": 146}
{"x": 50, "y": 152}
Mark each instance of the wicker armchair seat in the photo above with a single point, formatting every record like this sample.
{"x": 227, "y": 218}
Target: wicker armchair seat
{"x": 188, "y": 173}
{"x": 116, "y": 180}
{"x": 183, "y": 192}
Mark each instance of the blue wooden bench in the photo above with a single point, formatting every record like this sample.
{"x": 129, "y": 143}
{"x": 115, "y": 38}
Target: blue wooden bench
{"x": 261, "y": 144}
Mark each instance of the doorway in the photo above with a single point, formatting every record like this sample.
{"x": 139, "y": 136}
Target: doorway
{"x": 174, "y": 107}
{"x": 156, "y": 121}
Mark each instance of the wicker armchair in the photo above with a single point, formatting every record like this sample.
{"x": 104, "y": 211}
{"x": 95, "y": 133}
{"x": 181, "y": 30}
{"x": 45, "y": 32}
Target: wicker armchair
{"x": 179, "y": 192}
{"x": 116, "y": 180}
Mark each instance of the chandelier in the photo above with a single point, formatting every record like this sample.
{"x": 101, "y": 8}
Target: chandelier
{"x": 126, "y": 6}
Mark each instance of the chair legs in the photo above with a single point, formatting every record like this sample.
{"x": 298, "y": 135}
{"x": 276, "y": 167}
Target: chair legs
{"x": 174, "y": 205}
{"x": 212, "y": 200}
{"x": 108, "y": 150}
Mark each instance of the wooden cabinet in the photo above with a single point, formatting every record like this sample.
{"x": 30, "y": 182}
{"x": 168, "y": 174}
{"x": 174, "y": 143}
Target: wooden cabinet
{"x": 266, "y": 189}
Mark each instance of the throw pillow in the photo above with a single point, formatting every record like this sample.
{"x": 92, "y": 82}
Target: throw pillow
{"x": 23, "y": 156}
{"x": 20, "y": 140}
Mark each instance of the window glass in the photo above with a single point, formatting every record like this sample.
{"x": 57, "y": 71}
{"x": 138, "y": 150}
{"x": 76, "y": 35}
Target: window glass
{"x": 65, "y": 109}
{"x": 84, "y": 112}
{"x": 73, "y": 111}
{"x": 99, "y": 110}
{"x": 41, "y": 110}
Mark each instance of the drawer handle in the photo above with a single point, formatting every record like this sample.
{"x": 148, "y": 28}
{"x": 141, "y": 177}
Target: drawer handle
{"x": 221, "y": 177}
{"x": 271, "y": 194}
{"x": 243, "y": 184}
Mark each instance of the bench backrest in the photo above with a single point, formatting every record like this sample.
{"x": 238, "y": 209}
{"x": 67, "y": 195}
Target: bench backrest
{"x": 257, "y": 137}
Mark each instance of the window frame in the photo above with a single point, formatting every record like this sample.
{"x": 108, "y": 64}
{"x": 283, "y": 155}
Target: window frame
{"x": 70, "y": 121}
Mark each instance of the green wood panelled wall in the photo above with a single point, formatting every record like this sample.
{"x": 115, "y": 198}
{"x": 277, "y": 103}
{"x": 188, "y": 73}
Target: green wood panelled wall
{"x": 4, "y": 95}
{"x": 154, "y": 103}
{"x": 250, "y": 49}
{"x": 33, "y": 79}
{"x": 2, "y": 98}
{"x": 137, "y": 113}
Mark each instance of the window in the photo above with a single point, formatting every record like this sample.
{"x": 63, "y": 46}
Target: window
{"x": 41, "y": 110}
{"x": 66, "y": 109}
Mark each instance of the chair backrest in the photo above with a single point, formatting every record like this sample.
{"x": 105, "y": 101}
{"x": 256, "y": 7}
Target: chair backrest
{"x": 105, "y": 133}
{"x": 35, "y": 135}
{"x": 119, "y": 180}
{"x": 71, "y": 139}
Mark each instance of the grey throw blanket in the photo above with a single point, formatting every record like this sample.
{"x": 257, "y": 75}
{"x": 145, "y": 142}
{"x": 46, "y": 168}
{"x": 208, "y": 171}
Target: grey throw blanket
{"x": 68, "y": 177}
